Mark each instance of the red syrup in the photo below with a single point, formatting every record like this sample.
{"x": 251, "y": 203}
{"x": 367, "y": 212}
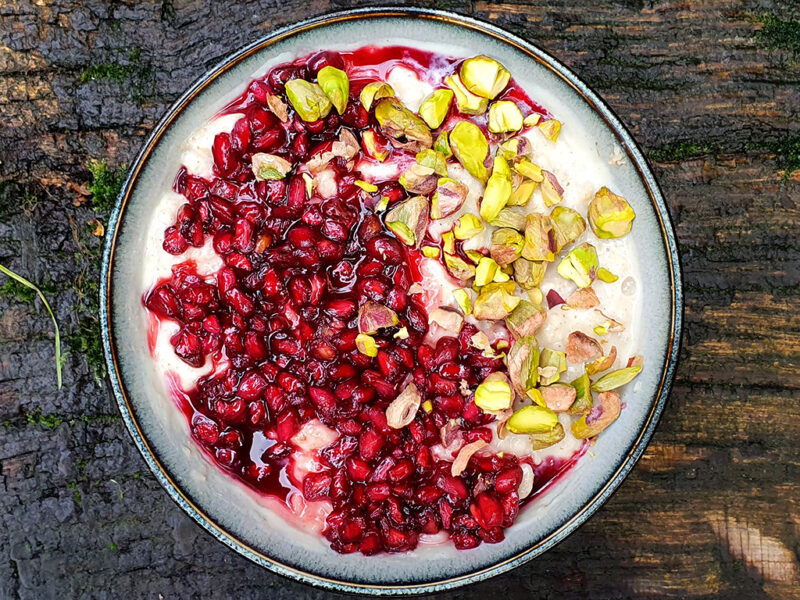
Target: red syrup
{"x": 278, "y": 324}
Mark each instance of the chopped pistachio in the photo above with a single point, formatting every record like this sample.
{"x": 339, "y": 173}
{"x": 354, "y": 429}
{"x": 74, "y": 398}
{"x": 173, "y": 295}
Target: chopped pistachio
{"x": 401, "y": 126}
{"x": 401, "y": 334}
{"x": 583, "y": 395}
{"x": 551, "y": 364}
{"x": 366, "y": 345}
{"x": 535, "y": 295}
{"x": 474, "y": 255}
{"x": 427, "y": 406}
{"x": 481, "y": 341}
{"x": 536, "y": 396}
{"x": 605, "y": 412}
{"x": 608, "y": 324}
{"x": 526, "y": 319}
{"x": 466, "y": 102}
{"x": 366, "y": 186}
{"x": 431, "y": 251}
{"x": 506, "y": 245}
{"x": 521, "y": 191}
{"x": 558, "y": 397}
{"x": 498, "y": 190}
{"x": 539, "y": 441}
{"x": 603, "y": 363}
{"x": 494, "y": 393}
{"x": 500, "y": 276}
{"x": 470, "y": 147}
{"x": 616, "y": 379}
{"x": 419, "y": 179}
{"x": 308, "y": 99}
{"x": 448, "y": 198}
{"x": 528, "y": 273}
{"x": 568, "y": 225}
{"x": 404, "y": 407}
{"x": 610, "y": 215}
{"x": 447, "y": 318}
{"x": 484, "y": 76}
{"x": 462, "y": 298}
{"x": 449, "y": 242}
{"x": 550, "y": 129}
{"x": 510, "y": 217}
{"x": 458, "y": 268}
{"x": 433, "y": 159}
{"x": 583, "y": 298}
{"x": 382, "y": 204}
{"x": 442, "y": 144}
{"x": 552, "y": 192}
{"x": 531, "y": 120}
{"x": 606, "y": 276}
{"x": 529, "y": 170}
{"x": 375, "y": 91}
{"x": 485, "y": 271}
{"x": 582, "y": 348}
{"x": 336, "y": 85}
{"x": 580, "y": 265}
{"x": 532, "y": 419}
{"x": 409, "y": 220}
{"x": 467, "y": 226}
{"x": 539, "y": 238}
{"x": 504, "y": 116}
{"x": 371, "y": 146}
{"x": 270, "y": 166}
{"x": 496, "y": 301}
{"x": 434, "y": 108}
{"x": 373, "y": 317}
{"x": 309, "y": 181}
{"x": 523, "y": 364}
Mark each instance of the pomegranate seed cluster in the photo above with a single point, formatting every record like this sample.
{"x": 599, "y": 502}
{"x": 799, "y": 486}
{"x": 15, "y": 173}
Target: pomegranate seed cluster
{"x": 280, "y": 321}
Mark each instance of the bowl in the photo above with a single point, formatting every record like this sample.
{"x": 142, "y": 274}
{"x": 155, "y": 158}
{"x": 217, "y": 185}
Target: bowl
{"x": 235, "y": 516}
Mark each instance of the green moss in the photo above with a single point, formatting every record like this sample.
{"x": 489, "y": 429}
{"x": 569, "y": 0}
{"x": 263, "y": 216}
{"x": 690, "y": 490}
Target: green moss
{"x": 16, "y": 290}
{"x": 780, "y": 33}
{"x": 37, "y": 418}
{"x": 787, "y": 153}
{"x": 131, "y": 72}
{"x": 678, "y": 151}
{"x": 105, "y": 185}
{"x": 113, "y": 545}
{"x": 87, "y": 341}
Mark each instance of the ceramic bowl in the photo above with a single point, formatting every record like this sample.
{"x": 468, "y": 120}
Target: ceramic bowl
{"x": 230, "y": 512}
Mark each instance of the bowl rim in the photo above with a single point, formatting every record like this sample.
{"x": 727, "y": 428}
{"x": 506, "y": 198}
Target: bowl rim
{"x": 668, "y": 238}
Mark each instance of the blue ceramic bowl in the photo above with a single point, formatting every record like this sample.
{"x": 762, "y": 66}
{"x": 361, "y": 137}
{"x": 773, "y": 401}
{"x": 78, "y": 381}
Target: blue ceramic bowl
{"x": 226, "y": 509}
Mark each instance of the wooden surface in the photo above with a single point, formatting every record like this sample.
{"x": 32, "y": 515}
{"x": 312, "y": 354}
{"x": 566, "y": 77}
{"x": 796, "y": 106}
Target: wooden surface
{"x": 710, "y": 90}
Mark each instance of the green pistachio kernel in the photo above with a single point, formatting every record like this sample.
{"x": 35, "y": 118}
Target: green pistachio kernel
{"x": 500, "y": 276}
{"x": 419, "y": 179}
{"x": 336, "y": 85}
{"x": 375, "y": 91}
{"x": 498, "y": 190}
{"x": 370, "y": 188}
{"x": 606, "y": 276}
{"x": 448, "y": 242}
{"x": 532, "y": 120}
{"x": 539, "y": 238}
{"x": 309, "y": 181}
{"x": 403, "y": 232}
{"x": 466, "y": 102}
{"x": 373, "y": 316}
{"x": 494, "y": 393}
{"x": 610, "y": 215}
{"x": 526, "y": 319}
{"x": 434, "y": 160}
{"x": 528, "y": 273}
{"x": 510, "y": 217}
{"x": 409, "y": 220}
{"x": 496, "y": 301}
{"x": 463, "y": 301}
{"x": 532, "y": 419}
{"x": 523, "y": 364}
{"x": 535, "y": 295}
{"x": 459, "y": 268}
{"x": 521, "y": 191}
{"x": 529, "y": 170}
{"x": 270, "y": 166}
{"x": 308, "y": 99}
{"x": 474, "y": 255}
{"x": 484, "y": 76}
{"x": 382, "y": 204}
{"x": 402, "y": 126}
{"x": 366, "y": 344}
{"x": 583, "y": 396}
{"x": 552, "y": 192}
{"x": 485, "y": 271}
{"x": 539, "y": 441}
{"x": 401, "y": 334}
{"x": 442, "y": 144}
{"x": 431, "y": 251}
{"x": 470, "y": 147}
{"x": 616, "y": 379}
{"x": 467, "y": 226}
{"x": 504, "y": 116}
{"x": 371, "y": 146}
{"x": 435, "y": 107}
{"x": 580, "y": 265}
{"x": 568, "y": 225}
{"x": 448, "y": 198}
{"x": 550, "y": 129}
{"x": 605, "y": 411}
{"x": 551, "y": 364}
{"x": 506, "y": 245}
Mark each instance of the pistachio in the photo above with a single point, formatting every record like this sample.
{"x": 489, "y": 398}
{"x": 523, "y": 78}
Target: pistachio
{"x": 606, "y": 276}
{"x": 458, "y": 268}
{"x": 419, "y": 179}
{"x": 528, "y": 273}
{"x": 550, "y": 129}
{"x": 442, "y": 144}
{"x": 552, "y": 192}
{"x": 308, "y": 99}
{"x": 510, "y": 217}
{"x": 373, "y": 316}
{"x": 506, "y": 245}
{"x": 448, "y": 198}
{"x": 535, "y": 294}
{"x": 615, "y": 379}
{"x": 431, "y": 251}
{"x": 403, "y": 409}
{"x": 485, "y": 271}
{"x": 270, "y": 166}
{"x": 525, "y": 319}
{"x": 539, "y": 441}
{"x": 336, "y": 85}
{"x": 434, "y": 108}
{"x": 583, "y": 298}
{"x": 529, "y": 170}
{"x": 467, "y": 226}
{"x": 605, "y": 412}
{"x": 446, "y": 318}
{"x": 366, "y": 344}
{"x": 470, "y": 147}
{"x": 610, "y": 215}
{"x": 370, "y": 188}
{"x": 500, "y": 276}
{"x": 504, "y": 116}
{"x": 532, "y": 419}
{"x": 539, "y": 238}
{"x": 373, "y": 147}
{"x": 401, "y": 126}
{"x": 580, "y": 265}
{"x": 375, "y": 91}
{"x": 535, "y": 395}
{"x": 449, "y": 242}
{"x": 427, "y": 406}
{"x": 462, "y": 298}
{"x": 498, "y": 190}
{"x": 484, "y": 76}
{"x": 450, "y": 433}
{"x": 568, "y": 225}
{"x": 346, "y": 146}
{"x": 409, "y": 220}
{"x": 481, "y": 341}
{"x": 636, "y": 361}
{"x": 532, "y": 120}
{"x": 521, "y": 191}
{"x": 382, "y": 204}
{"x": 603, "y": 363}
{"x": 559, "y": 396}
{"x": 434, "y": 160}
{"x": 474, "y": 255}
{"x": 582, "y": 349}
{"x": 401, "y": 334}
{"x": 494, "y": 393}
{"x": 278, "y": 107}
{"x": 462, "y": 458}
{"x": 496, "y": 301}
{"x": 583, "y": 396}
{"x": 608, "y": 324}
{"x": 523, "y": 364}
{"x": 551, "y": 364}
{"x": 466, "y": 102}
{"x": 309, "y": 181}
